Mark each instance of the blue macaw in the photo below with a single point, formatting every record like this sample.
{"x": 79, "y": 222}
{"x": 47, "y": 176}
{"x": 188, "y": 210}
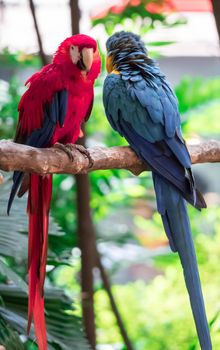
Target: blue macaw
{"x": 142, "y": 107}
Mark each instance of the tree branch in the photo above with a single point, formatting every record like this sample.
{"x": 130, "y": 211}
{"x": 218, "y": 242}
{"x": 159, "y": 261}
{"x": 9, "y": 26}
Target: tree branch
{"x": 75, "y": 16}
{"x": 36, "y": 26}
{"x": 15, "y": 156}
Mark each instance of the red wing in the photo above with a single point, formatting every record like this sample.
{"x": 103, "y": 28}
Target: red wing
{"x": 53, "y": 113}
{"x": 42, "y": 87}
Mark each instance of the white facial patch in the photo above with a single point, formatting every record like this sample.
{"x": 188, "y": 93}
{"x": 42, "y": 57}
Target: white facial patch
{"x": 74, "y": 54}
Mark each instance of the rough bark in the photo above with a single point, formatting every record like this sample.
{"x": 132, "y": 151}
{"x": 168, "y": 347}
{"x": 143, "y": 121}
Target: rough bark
{"x": 41, "y": 50}
{"x": 86, "y": 236}
{"x": 216, "y": 11}
{"x": 15, "y": 156}
{"x": 87, "y": 242}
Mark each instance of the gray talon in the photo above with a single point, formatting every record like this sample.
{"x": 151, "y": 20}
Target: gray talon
{"x": 65, "y": 149}
{"x": 69, "y": 147}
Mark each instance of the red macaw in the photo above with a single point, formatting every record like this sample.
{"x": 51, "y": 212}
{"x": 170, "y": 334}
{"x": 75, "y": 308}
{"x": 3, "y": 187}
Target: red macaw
{"x": 58, "y": 99}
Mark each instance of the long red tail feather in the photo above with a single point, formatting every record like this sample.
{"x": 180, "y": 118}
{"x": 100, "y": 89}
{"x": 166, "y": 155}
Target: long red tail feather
{"x": 40, "y": 190}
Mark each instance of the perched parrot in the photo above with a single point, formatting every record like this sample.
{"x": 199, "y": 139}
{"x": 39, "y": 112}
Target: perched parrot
{"x": 142, "y": 107}
{"x": 58, "y": 99}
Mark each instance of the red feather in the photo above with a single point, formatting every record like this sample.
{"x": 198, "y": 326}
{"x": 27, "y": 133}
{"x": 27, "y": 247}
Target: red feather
{"x": 60, "y": 74}
{"x": 40, "y": 190}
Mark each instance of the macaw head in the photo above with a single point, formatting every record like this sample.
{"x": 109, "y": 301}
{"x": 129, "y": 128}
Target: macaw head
{"x": 123, "y": 47}
{"x": 79, "y": 50}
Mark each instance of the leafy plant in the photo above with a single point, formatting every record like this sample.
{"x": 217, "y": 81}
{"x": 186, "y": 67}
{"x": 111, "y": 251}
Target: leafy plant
{"x": 63, "y": 327}
{"x": 64, "y": 330}
{"x": 9, "y": 338}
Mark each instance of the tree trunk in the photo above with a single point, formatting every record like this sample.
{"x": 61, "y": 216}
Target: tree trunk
{"x": 85, "y": 229}
{"x": 87, "y": 242}
{"x": 216, "y": 11}
{"x": 75, "y": 16}
{"x": 86, "y": 236}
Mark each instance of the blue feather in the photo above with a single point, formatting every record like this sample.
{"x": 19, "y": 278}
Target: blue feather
{"x": 125, "y": 77}
{"x": 63, "y": 99}
{"x": 173, "y": 210}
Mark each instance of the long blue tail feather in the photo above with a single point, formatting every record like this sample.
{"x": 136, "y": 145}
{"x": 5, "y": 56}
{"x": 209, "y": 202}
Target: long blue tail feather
{"x": 172, "y": 208}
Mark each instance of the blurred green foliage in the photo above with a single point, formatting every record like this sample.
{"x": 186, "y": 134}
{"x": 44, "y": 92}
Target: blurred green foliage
{"x": 203, "y": 121}
{"x": 134, "y": 15}
{"x": 8, "y": 109}
{"x": 157, "y": 315}
{"x": 199, "y": 103}
{"x": 194, "y": 92}
{"x": 7, "y": 58}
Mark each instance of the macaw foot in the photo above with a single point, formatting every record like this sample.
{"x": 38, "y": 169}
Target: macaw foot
{"x": 69, "y": 147}
{"x": 81, "y": 149}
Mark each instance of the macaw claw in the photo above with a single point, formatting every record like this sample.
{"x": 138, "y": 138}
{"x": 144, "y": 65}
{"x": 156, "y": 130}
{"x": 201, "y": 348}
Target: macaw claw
{"x": 69, "y": 147}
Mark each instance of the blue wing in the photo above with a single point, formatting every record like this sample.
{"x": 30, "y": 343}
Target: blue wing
{"x": 144, "y": 110}
{"x": 146, "y": 113}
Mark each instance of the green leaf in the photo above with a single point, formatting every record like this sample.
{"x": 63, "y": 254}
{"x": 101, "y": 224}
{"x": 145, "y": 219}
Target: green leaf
{"x": 10, "y": 274}
{"x": 160, "y": 43}
{"x": 9, "y": 338}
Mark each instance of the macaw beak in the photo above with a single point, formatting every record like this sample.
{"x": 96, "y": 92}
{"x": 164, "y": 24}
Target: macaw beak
{"x": 109, "y": 64}
{"x": 87, "y": 57}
